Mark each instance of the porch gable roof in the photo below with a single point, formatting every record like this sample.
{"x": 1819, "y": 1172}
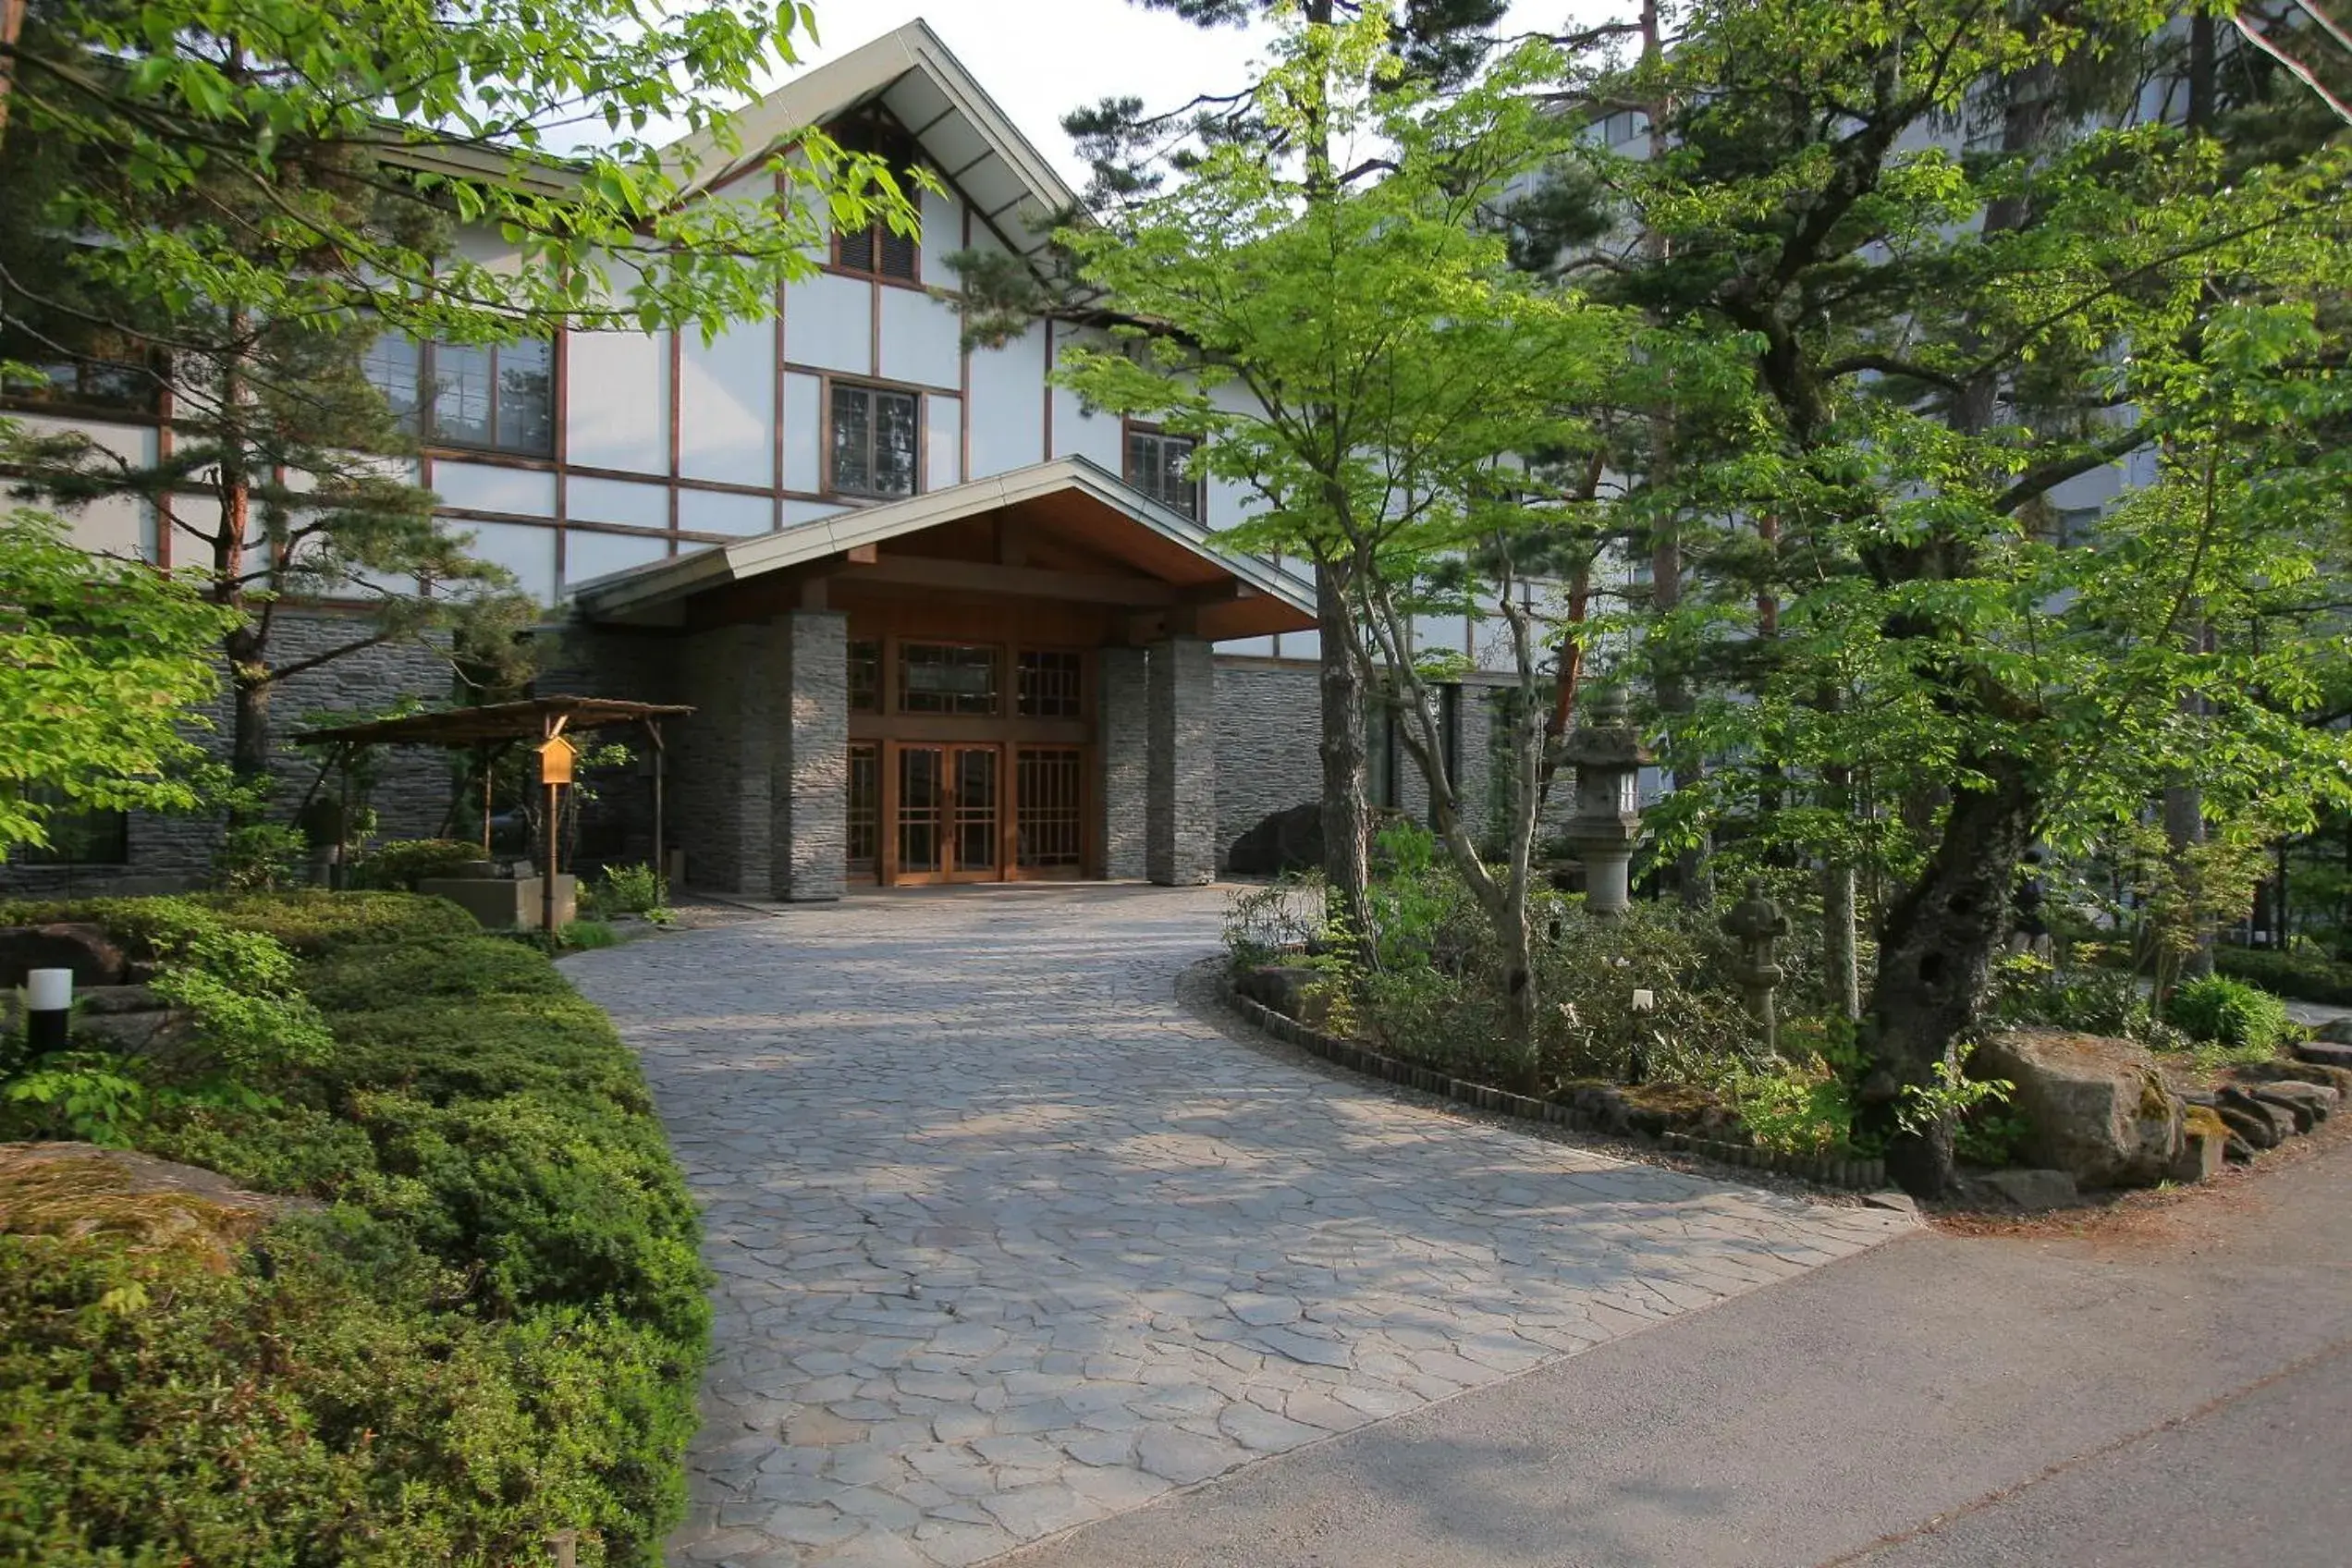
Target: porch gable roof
{"x": 652, "y": 592}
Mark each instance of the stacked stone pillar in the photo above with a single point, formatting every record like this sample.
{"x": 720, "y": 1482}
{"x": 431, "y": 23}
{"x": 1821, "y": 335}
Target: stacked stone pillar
{"x": 1123, "y": 741}
{"x": 810, "y": 769}
{"x": 1179, "y": 832}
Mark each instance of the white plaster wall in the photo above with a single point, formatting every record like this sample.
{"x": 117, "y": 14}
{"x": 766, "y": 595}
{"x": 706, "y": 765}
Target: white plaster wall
{"x": 726, "y": 405}
{"x": 716, "y": 511}
{"x": 120, "y": 525}
{"x": 1077, "y": 431}
{"x": 1008, "y": 405}
{"x": 804, "y": 433}
{"x": 617, "y": 500}
{"x": 588, "y": 555}
{"x": 616, "y": 413}
{"x": 479, "y": 488}
{"x": 828, "y": 322}
{"x": 942, "y": 442}
{"x": 919, "y": 339}
{"x": 525, "y": 550}
{"x": 798, "y": 512}
{"x": 942, "y": 237}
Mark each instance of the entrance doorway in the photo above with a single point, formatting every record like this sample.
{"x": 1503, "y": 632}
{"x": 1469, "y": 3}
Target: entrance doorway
{"x": 926, "y": 812}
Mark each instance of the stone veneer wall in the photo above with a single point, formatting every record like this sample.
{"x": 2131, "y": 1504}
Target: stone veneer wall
{"x": 720, "y": 810}
{"x": 1121, "y": 737}
{"x": 811, "y": 770}
{"x": 1180, "y": 843}
{"x": 172, "y": 854}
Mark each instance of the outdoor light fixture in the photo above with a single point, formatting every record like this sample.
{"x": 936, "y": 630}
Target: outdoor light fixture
{"x": 1608, "y": 755}
{"x": 48, "y": 1005}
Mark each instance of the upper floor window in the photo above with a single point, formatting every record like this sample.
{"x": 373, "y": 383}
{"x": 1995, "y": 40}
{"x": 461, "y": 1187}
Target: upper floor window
{"x": 80, "y": 365}
{"x": 874, "y": 441}
{"x": 1156, "y": 464}
{"x": 498, "y": 396}
{"x": 876, "y": 250}
{"x": 956, "y": 678}
{"x": 1050, "y": 682}
{"x": 865, "y": 675}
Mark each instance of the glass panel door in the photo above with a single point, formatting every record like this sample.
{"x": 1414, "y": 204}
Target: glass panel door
{"x": 864, "y": 816}
{"x": 923, "y": 803}
{"x": 1047, "y": 808}
{"x": 976, "y": 823}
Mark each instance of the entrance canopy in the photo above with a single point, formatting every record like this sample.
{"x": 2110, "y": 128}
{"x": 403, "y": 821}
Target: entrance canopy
{"x": 1065, "y": 530}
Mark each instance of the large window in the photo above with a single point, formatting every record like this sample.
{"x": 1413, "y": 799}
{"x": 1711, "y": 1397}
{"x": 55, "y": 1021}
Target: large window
{"x": 1050, "y": 682}
{"x": 865, "y": 676}
{"x": 874, "y": 441}
{"x": 499, "y": 397}
{"x": 954, "y": 677}
{"x": 1155, "y": 465}
{"x": 81, "y": 366}
{"x": 90, "y": 836}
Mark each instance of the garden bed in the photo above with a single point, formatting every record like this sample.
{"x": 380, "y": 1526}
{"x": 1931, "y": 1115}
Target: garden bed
{"x": 481, "y": 1327}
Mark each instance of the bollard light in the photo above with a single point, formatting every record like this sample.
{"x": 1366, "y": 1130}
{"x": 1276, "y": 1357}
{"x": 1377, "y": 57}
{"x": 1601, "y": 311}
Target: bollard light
{"x": 48, "y": 1004}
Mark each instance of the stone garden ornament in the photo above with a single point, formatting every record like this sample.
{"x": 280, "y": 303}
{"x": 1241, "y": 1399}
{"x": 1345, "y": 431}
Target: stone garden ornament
{"x": 1758, "y": 925}
{"x": 1608, "y": 755}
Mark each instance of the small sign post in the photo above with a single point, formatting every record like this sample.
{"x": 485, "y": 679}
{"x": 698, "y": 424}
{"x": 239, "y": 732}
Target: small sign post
{"x": 555, "y": 757}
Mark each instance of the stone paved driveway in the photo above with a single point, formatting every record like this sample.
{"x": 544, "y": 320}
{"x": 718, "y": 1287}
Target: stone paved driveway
{"x": 1008, "y": 1242}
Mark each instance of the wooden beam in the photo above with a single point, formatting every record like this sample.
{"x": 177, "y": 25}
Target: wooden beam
{"x": 1031, "y": 582}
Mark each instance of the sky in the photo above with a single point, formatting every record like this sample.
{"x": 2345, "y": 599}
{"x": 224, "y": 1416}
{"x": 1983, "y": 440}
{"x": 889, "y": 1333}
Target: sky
{"x": 1041, "y": 58}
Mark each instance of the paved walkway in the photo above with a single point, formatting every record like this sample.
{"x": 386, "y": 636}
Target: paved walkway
{"x": 1008, "y": 1242}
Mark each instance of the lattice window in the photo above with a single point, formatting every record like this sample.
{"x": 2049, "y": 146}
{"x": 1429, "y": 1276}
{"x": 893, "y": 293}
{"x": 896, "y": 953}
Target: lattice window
{"x": 947, "y": 678}
{"x": 865, "y": 809}
{"x": 1052, "y": 814}
{"x": 1050, "y": 683}
{"x": 865, "y": 676}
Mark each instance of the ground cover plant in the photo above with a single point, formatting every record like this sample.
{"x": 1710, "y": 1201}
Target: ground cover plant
{"x": 475, "y": 1323}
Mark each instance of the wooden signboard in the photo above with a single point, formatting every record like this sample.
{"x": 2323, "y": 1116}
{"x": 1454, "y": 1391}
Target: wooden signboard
{"x": 556, "y": 758}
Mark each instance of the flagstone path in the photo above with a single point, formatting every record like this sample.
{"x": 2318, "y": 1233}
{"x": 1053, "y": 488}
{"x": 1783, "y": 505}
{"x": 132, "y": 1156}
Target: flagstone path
{"x": 1008, "y": 1240}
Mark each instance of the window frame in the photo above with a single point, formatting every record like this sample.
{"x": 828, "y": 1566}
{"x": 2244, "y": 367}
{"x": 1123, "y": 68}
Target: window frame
{"x": 902, "y": 666}
{"x": 834, "y": 387}
{"x": 418, "y": 420}
{"x": 1129, "y": 431}
{"x": 70, "y": 828}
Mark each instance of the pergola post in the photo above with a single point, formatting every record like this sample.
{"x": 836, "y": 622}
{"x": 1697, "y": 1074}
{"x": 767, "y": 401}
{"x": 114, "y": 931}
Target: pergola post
{"x": 661, "y": 863}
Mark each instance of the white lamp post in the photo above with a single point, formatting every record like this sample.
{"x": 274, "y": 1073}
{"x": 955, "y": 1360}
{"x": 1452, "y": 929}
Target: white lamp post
{"x": 48, "y": 1006}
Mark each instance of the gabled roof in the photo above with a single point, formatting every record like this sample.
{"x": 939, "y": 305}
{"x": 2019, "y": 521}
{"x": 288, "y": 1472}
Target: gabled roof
{"x": 959, "y": 126}
{"x": 1071, "y": 487}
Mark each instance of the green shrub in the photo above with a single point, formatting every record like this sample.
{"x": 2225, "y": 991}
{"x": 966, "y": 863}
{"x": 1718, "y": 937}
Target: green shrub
{"x": 398, "y": 974}
{"x": 2306, "y": 976}
{"x": 260, "y": 857}
{"x": 586, "y": 936}
{"x": 630, "y": 889}
{"x": 313, "y": 1403}
{"x": 315, "y": 922}
{"x": 398, "y": 865}
{"x": 2232, "y": 1013}
{"x": 493, "y": 1333}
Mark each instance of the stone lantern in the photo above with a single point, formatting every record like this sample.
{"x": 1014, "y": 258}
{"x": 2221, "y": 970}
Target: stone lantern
{"x": 1608, "y": 755}
{"x": 1758, "y": 925}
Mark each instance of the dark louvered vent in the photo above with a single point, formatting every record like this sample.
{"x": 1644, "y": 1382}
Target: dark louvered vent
{"x": 897, "y": 255}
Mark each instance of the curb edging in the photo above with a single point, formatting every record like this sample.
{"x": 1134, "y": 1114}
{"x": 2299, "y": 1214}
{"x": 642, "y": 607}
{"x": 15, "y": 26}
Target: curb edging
{"x": 1850, "y": 1175}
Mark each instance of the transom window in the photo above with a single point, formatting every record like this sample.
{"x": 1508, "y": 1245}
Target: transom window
{"x": 865, "y": 676}
{"x": 874, "y": 441}
{"x": 1155, "y": 465}
{"x": 1049, "y": 681}
{"x": 498, "y": 396}
{"x": 953, "y": 678}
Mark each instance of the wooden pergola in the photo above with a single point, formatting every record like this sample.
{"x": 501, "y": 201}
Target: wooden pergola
{"x": 491, "y": 728}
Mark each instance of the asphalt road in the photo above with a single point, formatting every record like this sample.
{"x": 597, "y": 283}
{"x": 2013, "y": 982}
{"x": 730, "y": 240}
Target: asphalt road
{"x": 2177, "y": 1389}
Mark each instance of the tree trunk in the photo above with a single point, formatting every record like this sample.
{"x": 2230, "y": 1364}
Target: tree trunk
{"x": 1346, "y": 836}
{"x": 1935, "y": 962}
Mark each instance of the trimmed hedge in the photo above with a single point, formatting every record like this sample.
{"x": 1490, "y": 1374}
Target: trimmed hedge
{"x": 493, "y": 1332}
{"x": 2307, "y": 977}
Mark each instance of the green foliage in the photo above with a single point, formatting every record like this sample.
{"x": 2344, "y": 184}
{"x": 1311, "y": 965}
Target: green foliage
{"x": 105, "y": 660}
{"x": 398, "y": 865}
{"x": 91, "y": 1095}
{"x": 493, "y": 1333}
{"x": 317, "y": 1401}
{"x": 585, "y": 936}
{"x": 1953, "y": 1094}
{"x": 1793, "y": 1106}
{"x": 630, "y": 889}
{"x": 2233, "y": 1013}
{"x": 259, "y": 857}
{"x": 2304, "y": 975}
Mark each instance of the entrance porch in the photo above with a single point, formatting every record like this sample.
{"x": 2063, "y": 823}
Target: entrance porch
{"x": 1007, "y": 681}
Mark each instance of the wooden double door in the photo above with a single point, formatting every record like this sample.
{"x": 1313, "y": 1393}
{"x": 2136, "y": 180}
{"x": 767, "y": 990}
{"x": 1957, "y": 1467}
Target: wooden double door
{"x": 949, "y": 811}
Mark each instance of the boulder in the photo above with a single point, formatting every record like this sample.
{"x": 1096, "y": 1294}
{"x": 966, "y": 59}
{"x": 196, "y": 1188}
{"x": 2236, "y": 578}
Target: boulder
{"x": 2263, "y": 1125}
{"x": 2336, "y": 1078}
{"x": 1289, "y": 989}
{"x": 2331, "y": 1053}
{"x": 93, "y": 956}
{"x": 1290, "y": 839}
{"x": 2095, "y": 1108}
{"x": 2307, "y": 1103}
{"x": 2337, "y": 1031}
{"x": 2205, "y": 1140}
{"x": 2033, "y": 1191}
